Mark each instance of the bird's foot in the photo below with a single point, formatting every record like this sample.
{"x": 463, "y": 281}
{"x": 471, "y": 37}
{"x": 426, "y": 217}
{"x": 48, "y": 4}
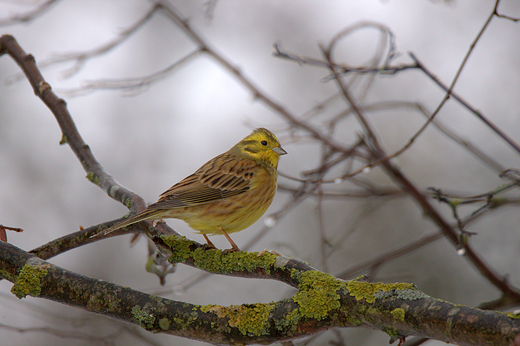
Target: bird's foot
{"x": 233, "y": 249}
{"x": 209, "y": 246}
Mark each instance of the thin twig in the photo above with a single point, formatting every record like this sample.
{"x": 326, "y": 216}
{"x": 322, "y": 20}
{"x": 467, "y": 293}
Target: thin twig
{"x": 130, "y": 85}
{"x": 81, "y": 58}
{"x": 277, "y": 107}
{"x": 28, "y": 16}
{"x": 407, "y": 185}
{"x": 95, "y": 171}
{"x": 463, "y": 102}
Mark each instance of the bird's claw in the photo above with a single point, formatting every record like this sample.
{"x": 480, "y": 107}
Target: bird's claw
{"x": 233, "y": 249}
{"x": 209, "y": 247}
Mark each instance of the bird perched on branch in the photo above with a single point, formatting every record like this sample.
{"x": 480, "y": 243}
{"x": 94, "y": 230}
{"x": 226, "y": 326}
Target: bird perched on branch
{"x": 227, "y": 194}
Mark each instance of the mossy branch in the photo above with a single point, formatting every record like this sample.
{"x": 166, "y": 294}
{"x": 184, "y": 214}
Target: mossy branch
{"x": 321, "y": 302}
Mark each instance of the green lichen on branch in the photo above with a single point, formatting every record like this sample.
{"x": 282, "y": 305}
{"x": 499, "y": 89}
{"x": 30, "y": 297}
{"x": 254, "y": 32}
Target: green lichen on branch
{"x": 164, "y": 323}
{"x": 317, "y": 294}
{"x": 398, "y": 314}
{"x": 394, "y": 334}
{"x": 513, "y": 315}
{"x": 290, "y": 322}
{"x": 249, "y": 319}
{"x": 213, "y": 261}
{"x": 93, "y": 178}
{"x": 369, "y": 291}
{"x": 64, "y": 139}
{"x": 28, "y": 281}
{"x": 143, "y": 317}
{"x": 180, "y": 247}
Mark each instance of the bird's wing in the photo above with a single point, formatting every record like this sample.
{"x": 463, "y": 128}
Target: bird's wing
{"x": 222, "y": 177}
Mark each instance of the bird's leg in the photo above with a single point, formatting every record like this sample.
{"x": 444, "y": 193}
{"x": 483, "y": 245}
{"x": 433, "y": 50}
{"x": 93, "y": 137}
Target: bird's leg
{"x": 234, "y": 246}
{"x": 209, "y": 245}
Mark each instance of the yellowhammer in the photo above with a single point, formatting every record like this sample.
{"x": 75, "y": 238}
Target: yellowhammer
{"x": 227, "y": 194}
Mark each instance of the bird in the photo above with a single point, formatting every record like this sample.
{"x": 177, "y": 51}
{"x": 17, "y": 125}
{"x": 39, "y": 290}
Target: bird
{"x": 226, "y": 195}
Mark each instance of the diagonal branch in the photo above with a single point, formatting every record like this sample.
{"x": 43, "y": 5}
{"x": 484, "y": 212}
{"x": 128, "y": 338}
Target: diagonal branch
{"x": 478, "y": 114}
{"x": 30, "y": 15}
{"x": 70, "y": 135}
{"x": 277, "y": 107}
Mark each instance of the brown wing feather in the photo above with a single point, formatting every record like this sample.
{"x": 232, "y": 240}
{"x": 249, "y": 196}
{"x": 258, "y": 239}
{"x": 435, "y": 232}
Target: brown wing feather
{"x": 224, "y": 176}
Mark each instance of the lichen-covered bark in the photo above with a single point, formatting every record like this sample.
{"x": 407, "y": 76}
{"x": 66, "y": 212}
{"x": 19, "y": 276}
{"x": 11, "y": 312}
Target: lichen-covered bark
{"x": 322, "y": 302}
{"x": 242, "y": 264}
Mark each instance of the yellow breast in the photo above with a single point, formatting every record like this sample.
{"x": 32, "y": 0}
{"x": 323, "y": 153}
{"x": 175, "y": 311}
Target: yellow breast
{"x": 236, "y": 213}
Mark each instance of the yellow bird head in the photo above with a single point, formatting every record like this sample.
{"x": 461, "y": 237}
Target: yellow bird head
{"x": 262, "y": 146}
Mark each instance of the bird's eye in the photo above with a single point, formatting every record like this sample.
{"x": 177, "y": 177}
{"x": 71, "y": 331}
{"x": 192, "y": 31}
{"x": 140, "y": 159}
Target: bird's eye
{"x": 264, "y": 142}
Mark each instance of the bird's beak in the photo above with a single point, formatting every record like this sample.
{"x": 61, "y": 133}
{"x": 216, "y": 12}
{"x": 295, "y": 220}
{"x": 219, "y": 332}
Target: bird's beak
{"x": 279, "y": 150}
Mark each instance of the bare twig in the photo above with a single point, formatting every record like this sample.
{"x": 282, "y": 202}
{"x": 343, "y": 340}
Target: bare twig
{"x": 473, "y": 110}
{"x": 95, "y": 172}
{"x": 407, "y": 185}
{"x": 28, "y": 16}
{"x": 130, "y": 85}
{"x": 67, "y": 334}
{"x": 80, "y": 58}
{"x": 15, "y": 229}
{"x": 277, "y": 107}
{"x": 279, "y": 53}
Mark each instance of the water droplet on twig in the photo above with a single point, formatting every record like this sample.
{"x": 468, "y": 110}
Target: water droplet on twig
{"x": 270, "y": 221}
{"x": 461, "y": 251}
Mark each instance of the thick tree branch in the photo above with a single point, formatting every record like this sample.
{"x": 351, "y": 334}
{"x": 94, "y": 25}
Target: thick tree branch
{"x": 322, "y": 302}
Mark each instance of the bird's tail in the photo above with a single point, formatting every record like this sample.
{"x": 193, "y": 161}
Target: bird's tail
{"x": 146, "y": 214}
